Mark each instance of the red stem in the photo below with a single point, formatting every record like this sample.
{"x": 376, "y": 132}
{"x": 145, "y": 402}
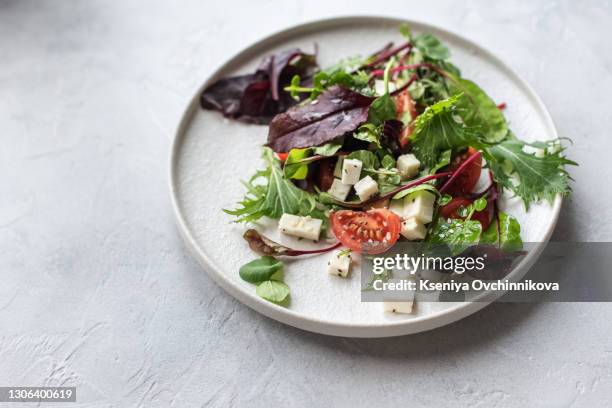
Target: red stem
{"x": 297, "y": 252}
{"x": 458, "y": 172}
{"x": 385, "y": 56}
{"x": 406, "y": 85}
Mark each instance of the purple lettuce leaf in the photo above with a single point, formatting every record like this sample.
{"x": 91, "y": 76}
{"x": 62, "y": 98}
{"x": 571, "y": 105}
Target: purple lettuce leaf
{"x": 256, "y": 97}
{"x": 334, "y": 113}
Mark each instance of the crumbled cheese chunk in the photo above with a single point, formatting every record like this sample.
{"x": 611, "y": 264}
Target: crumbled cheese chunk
{"x": 408, "y": 165}
{"x": 412, "y": 229}
{"x": 419, "y": 205}
{"x": 366, "y": 188}
{"x": 338, "y": 168}
{"x": 398, "y": 301}
{"x": 339, "y": 263}
{"x": 339, "y": 190}
{"x": 398, "y": 307}
{"x": 302, "y": 227}
{"x": 397, "y": 206}
{"x": 351, "y": 170}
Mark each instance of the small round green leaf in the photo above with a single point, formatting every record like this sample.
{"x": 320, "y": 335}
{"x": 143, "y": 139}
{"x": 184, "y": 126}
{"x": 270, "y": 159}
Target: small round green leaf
{"x": 273, "y": 291}
{"x": 261, "y": 269}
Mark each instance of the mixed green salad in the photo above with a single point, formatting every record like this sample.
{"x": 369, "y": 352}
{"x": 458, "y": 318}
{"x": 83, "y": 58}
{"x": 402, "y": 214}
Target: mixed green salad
{"x": 390, "y": 147}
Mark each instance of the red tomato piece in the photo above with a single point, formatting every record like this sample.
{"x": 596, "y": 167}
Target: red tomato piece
{"x": 370, "y": 232}
{"x": 405, "y": 105}
{"x": 465, "y": 183}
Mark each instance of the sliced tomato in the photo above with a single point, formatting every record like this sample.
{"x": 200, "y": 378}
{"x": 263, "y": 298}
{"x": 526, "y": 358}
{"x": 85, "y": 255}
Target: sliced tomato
{"x": 451, "y": 210}
{"x": 406, "y": 112}
{"x": 465, "y": 183}
{"x": 370, "y": 232}
{"x": 282, "y": 156}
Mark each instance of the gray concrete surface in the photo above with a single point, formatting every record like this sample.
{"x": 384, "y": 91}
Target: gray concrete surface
{"x": 98, "y": 291}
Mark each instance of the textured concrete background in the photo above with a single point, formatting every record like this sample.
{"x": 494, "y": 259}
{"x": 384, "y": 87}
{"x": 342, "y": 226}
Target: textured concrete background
{"x": 98, "y": 291}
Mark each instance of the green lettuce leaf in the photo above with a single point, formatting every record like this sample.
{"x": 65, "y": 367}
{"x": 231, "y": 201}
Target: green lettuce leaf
{"x": 478, "y": 110}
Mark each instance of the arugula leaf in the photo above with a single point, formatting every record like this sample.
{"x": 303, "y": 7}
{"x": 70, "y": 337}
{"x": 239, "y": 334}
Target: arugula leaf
{"x": 509, "y": 236}
{"x": 274, "y": 291}
{"x": 478, "y": 110}
{"x": 537, "y": 177}
{"x": 278, "y": 196}
{"x": 437, "y": 130}
{"x": 431, "y": 47}
{"x": 261, "y": 269}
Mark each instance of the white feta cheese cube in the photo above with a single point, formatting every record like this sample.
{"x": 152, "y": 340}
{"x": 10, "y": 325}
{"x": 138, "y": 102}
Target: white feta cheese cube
{"x": 338, "y": 168}
{"x": 397, "y": 206}
{"x": 398, "y": 301}
{"x": 339, "y": 263}
{"x": 412, "y": 229}
{"x": 351, "y": 170}
{"x": 408, "y": 165}
{"x": 302, "y": 227}
{"x": 339, "y": 190}
{"x": 398, "y": 307}
{"x": 366, "y": 188}
{"x": 419, "y": 205}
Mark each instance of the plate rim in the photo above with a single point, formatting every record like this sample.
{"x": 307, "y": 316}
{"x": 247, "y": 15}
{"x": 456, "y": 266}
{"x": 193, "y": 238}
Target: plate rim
{"x": 314, "y": 324}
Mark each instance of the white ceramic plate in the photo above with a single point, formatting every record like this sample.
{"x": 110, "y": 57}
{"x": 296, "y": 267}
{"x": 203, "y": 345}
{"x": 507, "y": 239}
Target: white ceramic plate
{"x": 211, "y": 154}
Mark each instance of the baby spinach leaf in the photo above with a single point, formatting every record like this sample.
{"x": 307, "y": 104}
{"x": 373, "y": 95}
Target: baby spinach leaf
{"x": 382, "y": 109}
{"x": 478, "y": 110}
{"x": 431, "y": 47}
{"x": 261, "y": 269}
{"x": 274, "y": 291}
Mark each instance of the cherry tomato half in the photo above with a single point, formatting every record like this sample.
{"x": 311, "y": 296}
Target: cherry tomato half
{"x": 370, "y": 232}
{"x": 405, "y": 106}
{"x": 465, "y": 183}
{"x": 451, "y": 210}
{"x": 282, "y": 156}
